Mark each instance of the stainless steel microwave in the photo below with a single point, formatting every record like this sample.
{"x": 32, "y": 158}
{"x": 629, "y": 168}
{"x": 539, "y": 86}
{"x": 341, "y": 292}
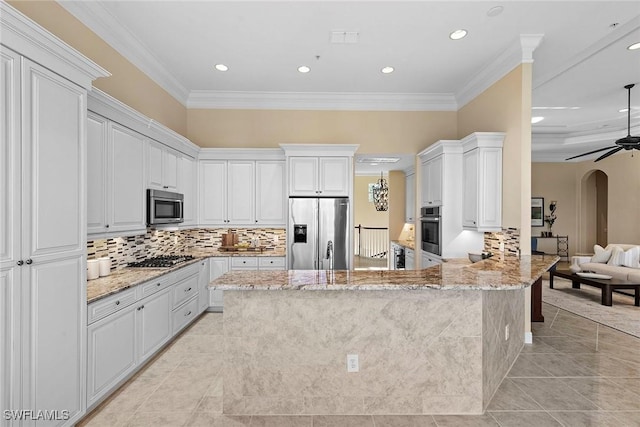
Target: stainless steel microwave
{"x": 164, "y": 207}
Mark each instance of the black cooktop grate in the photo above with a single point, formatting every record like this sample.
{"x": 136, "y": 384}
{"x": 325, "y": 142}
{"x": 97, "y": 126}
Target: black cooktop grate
{"x": 162, "y": 261}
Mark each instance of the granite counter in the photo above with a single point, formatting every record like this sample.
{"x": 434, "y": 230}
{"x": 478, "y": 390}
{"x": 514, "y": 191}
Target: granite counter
{"x": 436, "y": 341}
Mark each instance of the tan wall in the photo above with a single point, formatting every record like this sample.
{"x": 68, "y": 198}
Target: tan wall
{"x": 397, "y": 183}
{"x": 375, "y": 131}
{"x": 557, "y": 181}
{"x": 364, "y": 211}
{"x": 127, "y": 83}
{"x": 505, "y": 107}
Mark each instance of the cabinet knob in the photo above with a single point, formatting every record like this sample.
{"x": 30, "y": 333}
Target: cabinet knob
{"x": 29, "y": 261}
{"x": 188, "y": 314}
{"x": 165, "y": 186}
{"x": 21, "y": 262}
{"x": 118, "y": 302}
{"x": 256, "y": 221}
{"x": 188, "y": 290}
{"x": 106, "y": 226}
{"x": 158, "y": 284}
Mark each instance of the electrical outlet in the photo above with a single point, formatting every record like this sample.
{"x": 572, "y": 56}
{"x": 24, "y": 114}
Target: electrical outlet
{"x": 352, "y": 363}
{"x": 506, "y": 332}
{"x": 175, "y": 240}
{"x": 276, "y": 239}
{"x": 501, "y": 246}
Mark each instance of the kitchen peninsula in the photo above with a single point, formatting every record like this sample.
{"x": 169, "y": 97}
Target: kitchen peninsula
{"x": 435, "y": 341}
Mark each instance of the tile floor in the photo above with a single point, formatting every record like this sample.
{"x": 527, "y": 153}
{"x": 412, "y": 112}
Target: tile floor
{"x": 576, "y": 373}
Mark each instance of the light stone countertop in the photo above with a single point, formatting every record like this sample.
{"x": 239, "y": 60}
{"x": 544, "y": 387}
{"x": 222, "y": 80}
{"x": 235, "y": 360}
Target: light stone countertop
{"x": 495, "y": 273}
{"x": 128, "y": 277}
{"x": 411, "y": 244}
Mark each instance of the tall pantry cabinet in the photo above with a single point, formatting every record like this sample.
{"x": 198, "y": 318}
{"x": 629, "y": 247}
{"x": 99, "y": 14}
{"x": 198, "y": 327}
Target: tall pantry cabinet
{"x": 43, "y": 86}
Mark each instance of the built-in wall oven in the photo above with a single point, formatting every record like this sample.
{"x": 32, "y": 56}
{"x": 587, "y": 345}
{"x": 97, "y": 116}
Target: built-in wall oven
{"x": 431, "y": 228}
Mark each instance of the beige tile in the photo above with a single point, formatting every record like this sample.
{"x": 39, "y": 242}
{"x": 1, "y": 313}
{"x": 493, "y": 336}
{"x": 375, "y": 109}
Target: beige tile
{"x": 404, "y": 421}
{"x": 206, "y": 419}
{"x": 628, "y": 419}
{"x": 525, "y": 419}
{"x": 570, "y": 345}
{"x": 604, "y": 393}
{"x": 538, "y": 346}
{"x": 343, "y": 421}
{"x": 282, "y": 421}
{"x": 211, "y": 404}
{"x": 525, "y": 366}
{"x": 509, "y": 397}
{"x": 588, "y": 418}
{"x": 393, "y": 405}
{"x": 338, "y": 405}
{"x": 153, "y": 419}
{"x": 465, "y": 421}
{"x": 553, "y": 394}
{"x": 559, "y": 365}
{"x": 630, "y": 384}
{"x": 607, "y": 366}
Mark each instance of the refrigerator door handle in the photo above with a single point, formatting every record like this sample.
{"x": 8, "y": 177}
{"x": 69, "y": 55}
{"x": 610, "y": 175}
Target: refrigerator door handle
{"x": 330, "y": 254}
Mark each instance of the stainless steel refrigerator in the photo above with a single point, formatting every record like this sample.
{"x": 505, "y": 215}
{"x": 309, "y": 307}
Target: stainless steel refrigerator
{"x": 318, "y": 233}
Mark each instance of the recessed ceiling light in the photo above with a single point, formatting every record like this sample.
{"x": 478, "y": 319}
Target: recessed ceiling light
{"x": 495, "y": 11}
{"x": 458, "y": 34}
{"x": 624, "y": 110}
{"x": 221, "y": 67}
{"x": 387, "y": 70}
{"x": 304, "y": 69}
{"x": 634, "y": 46}
{"x": 536, "y": 119}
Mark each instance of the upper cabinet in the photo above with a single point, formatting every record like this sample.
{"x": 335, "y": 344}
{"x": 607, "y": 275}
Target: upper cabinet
{"x": 432, "y": 183}
{"x": 241, "y": 192}
{"x": 319, "y": 176}
{"x": 116, "y": 181}
{"x": 482, "y": 181}
{"x": 440, "y": 172}
{"x": 187, "y": 185}
{"x": 163, "y": 164}
{"x": 410, "y": 197}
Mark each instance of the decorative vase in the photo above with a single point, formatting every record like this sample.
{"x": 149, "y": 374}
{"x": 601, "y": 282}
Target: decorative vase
{"x": 575, "y": 267}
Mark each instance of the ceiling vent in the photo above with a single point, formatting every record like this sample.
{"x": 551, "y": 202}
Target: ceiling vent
{"x": 344, "y": 37}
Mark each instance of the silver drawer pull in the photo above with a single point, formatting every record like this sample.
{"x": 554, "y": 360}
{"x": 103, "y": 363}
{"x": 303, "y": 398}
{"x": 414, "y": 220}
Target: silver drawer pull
{"x": 117, "y": 302}
{"x": 188, "y": 314}
{"x": 187, "y": 290}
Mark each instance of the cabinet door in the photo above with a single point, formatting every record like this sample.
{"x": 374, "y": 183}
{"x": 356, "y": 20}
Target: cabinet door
{"x": 97, "y": 134}
{"x": 490, "y": 189}
{"x": 303, "y": 176}
{"x": 154, "y": 322}
{"x": 217, "y": 267}
{"x": 54, "y": 334}
{"x": 409, "y": 259}
{"x": 170, "y": 169}
{"x": 241, "y": 192}
{"x": 213, "y": 193}
{"x": 270, "y": 193}
{"x": 203, "y": 283}
{"x": 470, "y": 188}
{"x": 10, "y": 184}
{"x": 154, "y": 165}
{"x": 126, "y": 199}
{"x": 410, "y": 198}
{"x": 53, "y": 163}
{"x": 187, "y": 186}
{"x": 10, "y": 354}
{"x": 334, "y": 176}
{"x": 111, "y": 352}
{"x": 435, "y": 181}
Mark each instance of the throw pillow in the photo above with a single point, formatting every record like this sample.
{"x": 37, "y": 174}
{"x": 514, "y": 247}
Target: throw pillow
{"x": 628, "y": 258}
{"x": 601, "y": 255}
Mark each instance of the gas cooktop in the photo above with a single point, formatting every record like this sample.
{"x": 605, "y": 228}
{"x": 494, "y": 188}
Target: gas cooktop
{"x": 162, "y": 261}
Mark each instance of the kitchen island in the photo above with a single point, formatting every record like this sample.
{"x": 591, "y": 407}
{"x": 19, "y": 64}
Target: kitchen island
{"x": 435, "y": 341}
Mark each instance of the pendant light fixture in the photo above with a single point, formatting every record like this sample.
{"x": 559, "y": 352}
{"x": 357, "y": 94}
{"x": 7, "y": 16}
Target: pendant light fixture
{"x": 381, "y": 194}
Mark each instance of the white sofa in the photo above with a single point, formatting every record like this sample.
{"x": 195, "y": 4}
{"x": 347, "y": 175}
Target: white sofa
{"x": 624, "y": 267}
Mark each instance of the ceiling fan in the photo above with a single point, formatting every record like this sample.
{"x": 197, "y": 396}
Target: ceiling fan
{"x": 628, "y": 142}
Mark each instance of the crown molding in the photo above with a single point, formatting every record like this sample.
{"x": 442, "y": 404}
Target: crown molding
{"x": 29, "y": 39}
{"x": 95, "y": 16}
{"x": 241, "y": 154}
{"x": 518, "y": 53}
{"x": 356, "y": 101}
{"x": 327, "y": 150}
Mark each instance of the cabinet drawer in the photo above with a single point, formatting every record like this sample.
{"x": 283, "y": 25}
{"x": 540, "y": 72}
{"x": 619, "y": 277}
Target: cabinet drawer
{"x": 244, "y": 262}
{"x": 185, "y": 290}
{"x": 182, "y": 316}
{"x": 104, "y": 307}
{"x": 185, "y": 272}
{"x": 156, "y": 285}
{"x": 266, "y": 263}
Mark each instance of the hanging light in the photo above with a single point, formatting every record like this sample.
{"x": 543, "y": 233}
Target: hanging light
{"x": 381, "y": 194}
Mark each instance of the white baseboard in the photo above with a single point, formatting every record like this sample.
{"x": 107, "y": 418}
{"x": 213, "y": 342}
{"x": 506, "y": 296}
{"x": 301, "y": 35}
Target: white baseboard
{"x": 528, "y": 338}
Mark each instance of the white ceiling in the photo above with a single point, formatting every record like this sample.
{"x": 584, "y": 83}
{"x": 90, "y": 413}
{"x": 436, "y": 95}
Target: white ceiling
{"x": 582, "y": 60}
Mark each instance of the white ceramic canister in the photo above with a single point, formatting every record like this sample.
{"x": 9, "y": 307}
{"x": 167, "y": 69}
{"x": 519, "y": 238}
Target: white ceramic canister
{"x": 93, "y": 269}
{"x": 105, "y": 266}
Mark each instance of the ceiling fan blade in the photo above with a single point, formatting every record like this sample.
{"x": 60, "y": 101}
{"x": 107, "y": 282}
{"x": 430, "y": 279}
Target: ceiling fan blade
{"x": 605, "y": 155}
{"x": 590, "y": 152}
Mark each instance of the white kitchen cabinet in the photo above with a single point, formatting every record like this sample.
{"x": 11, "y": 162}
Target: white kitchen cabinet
{"x": 271, "y": 263}
{"x": 240, "y": 263}
{"x": 153, "y": 323}
{"x": 482, "y": 181}
{"x": 42, "y": 221}
{"x": 217, "y": 267}
{"x": 203, "y": 284}
{"x": 115, "y": 184}
{"x": 242, "y": 192}
{"x": 162, "y": 166}
{"x": 319, "y": 176}
{"x": 430, "y": 260}
{"x": 270, "y": 193}
{"x": 432, "y": 181}
{"x": 410, "y": 198}
{"x": 409, "y": 259}
{"x": 187, "y": 186}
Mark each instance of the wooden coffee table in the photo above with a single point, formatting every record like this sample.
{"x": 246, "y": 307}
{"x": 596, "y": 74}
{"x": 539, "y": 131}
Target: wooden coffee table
{"x": 607, "y": 285}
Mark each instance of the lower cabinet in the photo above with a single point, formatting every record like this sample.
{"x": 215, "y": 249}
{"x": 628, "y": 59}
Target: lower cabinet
{"x": 126, "y": 329}
{"x": 430, "y": 260}
{"x": 409, "y": 259}
{"x": 217, "y": 267}
{"x": 203, "y": 285}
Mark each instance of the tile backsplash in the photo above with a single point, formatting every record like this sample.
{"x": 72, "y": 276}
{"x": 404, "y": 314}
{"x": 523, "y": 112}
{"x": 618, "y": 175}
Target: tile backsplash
{"x": 510, "y": 237}
{"x": 123, "y": 250}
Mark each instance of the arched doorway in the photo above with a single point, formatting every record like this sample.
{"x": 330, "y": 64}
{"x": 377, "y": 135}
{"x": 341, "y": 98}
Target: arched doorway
{"x": 594, "y": 210}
